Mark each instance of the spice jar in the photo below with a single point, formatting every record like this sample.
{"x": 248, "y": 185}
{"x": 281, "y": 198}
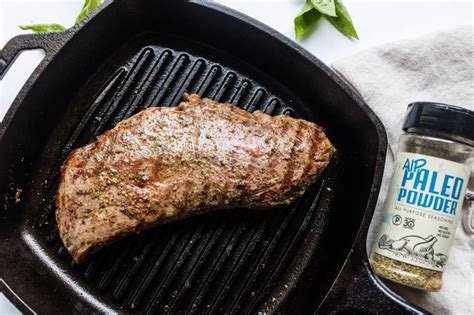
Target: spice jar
{"x": 425, "y": 196}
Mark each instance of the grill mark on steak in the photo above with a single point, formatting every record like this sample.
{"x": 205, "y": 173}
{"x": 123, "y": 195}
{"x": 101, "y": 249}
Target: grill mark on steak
{"x": 304, "y": 150}
{"x": 293, "y": 159}
{"x": 268, "y": 188}
{"x": 165, "y": 164}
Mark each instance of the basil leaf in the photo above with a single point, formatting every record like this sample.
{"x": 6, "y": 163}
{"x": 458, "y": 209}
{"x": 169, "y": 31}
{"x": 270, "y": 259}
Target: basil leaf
{"x": 326, "y": 7}
{"x": 43, "y": 28}
{"x": 343, "y": 21}
{"x": 306, "y": 19}
{"x": 88, "y": 7}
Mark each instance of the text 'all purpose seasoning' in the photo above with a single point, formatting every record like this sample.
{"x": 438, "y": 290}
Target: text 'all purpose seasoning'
{"x": 425, "y": 197}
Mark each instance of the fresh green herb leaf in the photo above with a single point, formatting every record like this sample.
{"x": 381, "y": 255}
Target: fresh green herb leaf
{"x": 306, "y": 19}
{"x": 43, "y": 28}
{"x": 343, "y": 21}
{"x": 88, "y": 7}
{"x": 326, "y": 7}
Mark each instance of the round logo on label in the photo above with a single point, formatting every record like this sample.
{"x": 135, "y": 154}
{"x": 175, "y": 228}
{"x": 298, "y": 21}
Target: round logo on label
{"x": 397, "y": 220}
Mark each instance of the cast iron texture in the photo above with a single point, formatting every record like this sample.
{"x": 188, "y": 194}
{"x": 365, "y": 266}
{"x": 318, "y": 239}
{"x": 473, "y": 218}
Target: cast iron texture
{"x": 309, "y": 257}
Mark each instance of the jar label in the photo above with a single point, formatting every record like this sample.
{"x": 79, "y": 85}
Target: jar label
{"x": 422, "y": 210}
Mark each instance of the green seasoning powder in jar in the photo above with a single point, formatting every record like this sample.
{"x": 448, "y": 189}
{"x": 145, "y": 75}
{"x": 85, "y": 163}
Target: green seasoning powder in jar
{"x": 425, "y": 197}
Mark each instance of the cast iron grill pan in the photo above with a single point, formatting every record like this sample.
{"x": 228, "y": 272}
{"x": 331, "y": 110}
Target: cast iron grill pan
{"x": 220, "y": 262}
{"x": 231, "y": 261}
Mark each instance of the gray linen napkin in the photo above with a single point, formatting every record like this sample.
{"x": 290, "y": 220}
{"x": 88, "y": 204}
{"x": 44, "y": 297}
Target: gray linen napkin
{"x": 435, "y": 67}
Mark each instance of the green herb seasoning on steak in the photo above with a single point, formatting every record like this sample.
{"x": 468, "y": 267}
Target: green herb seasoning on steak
{"x": 165, "y": 164}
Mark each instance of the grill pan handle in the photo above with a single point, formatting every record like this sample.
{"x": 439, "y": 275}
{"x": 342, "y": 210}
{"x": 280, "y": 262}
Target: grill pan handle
{"x": 49, "y": 42}
{"x": 358, "y": 291}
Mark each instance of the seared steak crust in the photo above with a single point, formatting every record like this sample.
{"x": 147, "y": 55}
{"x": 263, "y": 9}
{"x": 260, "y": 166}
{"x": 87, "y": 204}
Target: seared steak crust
{"x": 164, "y": 164}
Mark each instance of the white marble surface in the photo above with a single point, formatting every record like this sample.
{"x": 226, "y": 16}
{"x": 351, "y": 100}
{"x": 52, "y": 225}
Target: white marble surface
{"x": 376, "y": 22}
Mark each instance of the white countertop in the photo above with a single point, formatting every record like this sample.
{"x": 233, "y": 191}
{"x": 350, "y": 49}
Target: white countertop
{"x": 376, "y": 22}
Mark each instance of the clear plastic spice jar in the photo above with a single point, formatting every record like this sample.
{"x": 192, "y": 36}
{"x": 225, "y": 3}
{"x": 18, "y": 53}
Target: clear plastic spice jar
{"x": 425, "y": 197}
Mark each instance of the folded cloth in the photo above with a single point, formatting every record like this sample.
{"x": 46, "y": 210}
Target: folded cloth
{"x": 435, "y": 67}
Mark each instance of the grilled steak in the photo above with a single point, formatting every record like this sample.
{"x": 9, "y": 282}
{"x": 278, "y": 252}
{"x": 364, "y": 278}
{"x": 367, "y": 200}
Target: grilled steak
{"x": 165, "y": 164}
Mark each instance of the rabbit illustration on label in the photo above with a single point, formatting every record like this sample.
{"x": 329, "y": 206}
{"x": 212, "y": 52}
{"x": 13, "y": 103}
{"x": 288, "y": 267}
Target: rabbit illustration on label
{"x": 414, "y": 245}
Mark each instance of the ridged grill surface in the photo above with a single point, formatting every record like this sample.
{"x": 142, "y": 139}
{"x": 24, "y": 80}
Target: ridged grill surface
{"x": 223, "y": 262}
